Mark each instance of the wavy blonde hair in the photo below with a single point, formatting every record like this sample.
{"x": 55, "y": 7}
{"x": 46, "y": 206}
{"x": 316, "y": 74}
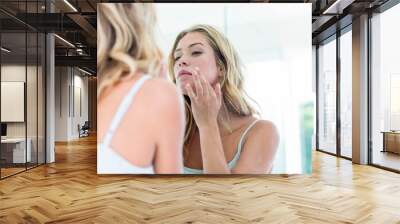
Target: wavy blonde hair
{"x": 125, "y": 42}
{"x": 233, "y": 95}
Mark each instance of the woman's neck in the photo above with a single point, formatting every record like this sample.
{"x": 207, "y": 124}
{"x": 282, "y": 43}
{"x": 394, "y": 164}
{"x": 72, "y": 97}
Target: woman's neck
{"x": 233, "y": 121}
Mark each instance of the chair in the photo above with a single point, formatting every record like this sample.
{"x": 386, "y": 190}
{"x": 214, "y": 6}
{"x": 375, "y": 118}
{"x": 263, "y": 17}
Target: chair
{"x": 84, "y": 130}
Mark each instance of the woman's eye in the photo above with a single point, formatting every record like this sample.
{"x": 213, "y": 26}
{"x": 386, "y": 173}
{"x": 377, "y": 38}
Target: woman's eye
{"x": 177, "y": 58}
{"x": 197, "y": 53}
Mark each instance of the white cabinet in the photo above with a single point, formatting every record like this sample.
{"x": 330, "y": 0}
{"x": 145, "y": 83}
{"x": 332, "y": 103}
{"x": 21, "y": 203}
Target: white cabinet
{"x": 18, "y": 149}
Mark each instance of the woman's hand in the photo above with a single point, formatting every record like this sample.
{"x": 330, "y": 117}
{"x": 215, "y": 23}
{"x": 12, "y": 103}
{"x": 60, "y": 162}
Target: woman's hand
{"x": 205, "y": 100}
{"x": 206, "y": 103}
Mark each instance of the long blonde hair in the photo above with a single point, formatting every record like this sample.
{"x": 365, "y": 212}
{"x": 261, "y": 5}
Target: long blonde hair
{"x": 227, "y": 59}
{"x": 125, "y": 42}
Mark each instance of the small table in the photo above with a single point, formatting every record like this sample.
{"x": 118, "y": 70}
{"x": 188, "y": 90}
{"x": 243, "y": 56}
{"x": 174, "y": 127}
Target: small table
{"x": 17, "y": 150}
{"x": 391, "y": 141}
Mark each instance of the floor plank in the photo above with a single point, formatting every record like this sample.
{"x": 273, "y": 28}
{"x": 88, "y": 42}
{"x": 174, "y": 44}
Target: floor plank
{"x": 387, "y": 159}
{"x": 70, "y": 191}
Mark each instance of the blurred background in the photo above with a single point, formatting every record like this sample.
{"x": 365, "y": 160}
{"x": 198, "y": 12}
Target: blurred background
{"x": 274, "y": 43}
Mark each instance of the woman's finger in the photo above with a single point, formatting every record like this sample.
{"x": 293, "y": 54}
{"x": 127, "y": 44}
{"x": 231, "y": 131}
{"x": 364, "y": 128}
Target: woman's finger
{"x": 217, "y": 90}
{"x": 197, "y": 84}
{"x": 205, "y": 85}
{"x": 190, "y": 92}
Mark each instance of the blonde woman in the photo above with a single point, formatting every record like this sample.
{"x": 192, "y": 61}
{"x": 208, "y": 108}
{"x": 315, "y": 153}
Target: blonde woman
{"x": 222, "y": 134}
{"x": 141, "y": 115}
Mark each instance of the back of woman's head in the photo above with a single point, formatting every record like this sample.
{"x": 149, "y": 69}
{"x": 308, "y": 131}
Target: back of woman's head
{"x": 125, "y": 42}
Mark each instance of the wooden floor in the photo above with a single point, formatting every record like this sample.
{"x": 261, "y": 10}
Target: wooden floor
{"x": 387, "y": 159}
{"x": 70, "y": 191}
{"x": 5, "y": 172}
{"x": 10, "y": 171}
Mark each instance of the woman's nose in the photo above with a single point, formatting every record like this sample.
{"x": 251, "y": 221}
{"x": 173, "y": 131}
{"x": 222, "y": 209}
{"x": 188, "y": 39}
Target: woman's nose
{"x": 182, "y": 62}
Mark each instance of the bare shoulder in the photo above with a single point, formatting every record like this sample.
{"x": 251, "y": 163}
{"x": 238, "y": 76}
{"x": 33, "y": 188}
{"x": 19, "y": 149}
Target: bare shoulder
{"x": 162, "y": 101}
{"x": 160, "y": 93}
{"x": 259, "y": 148}
{"x": 265, "y": 126}
{"x": 264, "y": 131}
{"x": 160, "y": 87}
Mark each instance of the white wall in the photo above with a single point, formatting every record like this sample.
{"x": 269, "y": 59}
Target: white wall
{"x": 12, "y": 73}
{"x": 61, "y": 103}
{"x": 33, "y": 127}
{"x": 70, "y": 83}
{"x": 80, "y": 84}
{"x": 12, "y": 101}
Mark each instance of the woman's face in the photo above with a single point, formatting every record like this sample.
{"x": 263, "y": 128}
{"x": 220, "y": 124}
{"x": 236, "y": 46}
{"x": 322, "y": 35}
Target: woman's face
{"x": 193, "y": 52}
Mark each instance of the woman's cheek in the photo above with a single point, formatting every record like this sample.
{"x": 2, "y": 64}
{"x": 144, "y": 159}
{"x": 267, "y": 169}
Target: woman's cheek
{"x": 210, "y": 77}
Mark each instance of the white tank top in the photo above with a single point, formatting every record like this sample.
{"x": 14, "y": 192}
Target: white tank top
{"x": 108, "y": 160}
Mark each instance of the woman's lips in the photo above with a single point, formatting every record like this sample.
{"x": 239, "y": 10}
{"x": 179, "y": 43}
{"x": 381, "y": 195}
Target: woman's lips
{"x": 183, "y": 72}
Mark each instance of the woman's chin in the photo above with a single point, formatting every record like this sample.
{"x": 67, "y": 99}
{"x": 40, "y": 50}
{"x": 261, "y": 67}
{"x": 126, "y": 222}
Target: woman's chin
{"x": 184, "y": 91}
{"x": 182, "y": 87}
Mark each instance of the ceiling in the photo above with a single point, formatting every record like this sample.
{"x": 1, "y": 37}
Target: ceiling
{"x": 75, "y": 22}
{"x": 75, "y": 43}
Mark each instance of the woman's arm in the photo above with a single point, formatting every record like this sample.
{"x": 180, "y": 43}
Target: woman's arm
{"x": 168, "y": 128}
{"x": 259, "y": 149}
{"x": 206, "y": 103}
{"x": 213, "y": 156}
